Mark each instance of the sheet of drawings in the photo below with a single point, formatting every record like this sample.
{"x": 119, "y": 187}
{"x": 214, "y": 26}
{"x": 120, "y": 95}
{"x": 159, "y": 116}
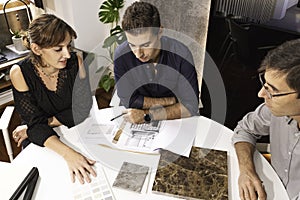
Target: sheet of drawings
{"x": 133, "y": 136}
{"x": 98, "y": 134}
{"x": 142, "y": 135}
{"x": 174, "y": 135}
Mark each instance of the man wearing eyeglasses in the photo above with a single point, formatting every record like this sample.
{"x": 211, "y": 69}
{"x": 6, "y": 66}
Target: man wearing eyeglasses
{"x": 278, "y": 117}
{"x": 155, "y": 74}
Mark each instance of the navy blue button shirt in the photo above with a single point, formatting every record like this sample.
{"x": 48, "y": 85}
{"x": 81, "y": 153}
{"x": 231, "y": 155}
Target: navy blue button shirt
{"x": 175, "y": 76}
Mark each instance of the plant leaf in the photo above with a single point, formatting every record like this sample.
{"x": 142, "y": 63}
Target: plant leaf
{"x": 116, "y": 30}
{"x": 109, "y": 41}
{"x": 116, "y": 38}
{"x": 119, "y": 33}
{"x": 100, "y": 69}
{"x": 109, "y": 11}
{"x": 107, "y": 82}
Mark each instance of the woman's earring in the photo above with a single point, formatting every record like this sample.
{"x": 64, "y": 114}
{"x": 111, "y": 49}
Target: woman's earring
{"x": 46, "y": 64}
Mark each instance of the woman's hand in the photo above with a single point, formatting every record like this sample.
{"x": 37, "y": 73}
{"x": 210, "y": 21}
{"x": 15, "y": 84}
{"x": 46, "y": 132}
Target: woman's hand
{"x": 20, "y": 134}
{"x": 80, "y": 167}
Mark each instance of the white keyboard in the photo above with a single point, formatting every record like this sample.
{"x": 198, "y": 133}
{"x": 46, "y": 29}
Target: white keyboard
{"x": 97, "y": 189}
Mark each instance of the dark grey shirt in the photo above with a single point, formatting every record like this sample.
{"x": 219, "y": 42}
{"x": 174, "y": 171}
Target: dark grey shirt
{"x": 284, "y": 143}
{"x": 175, "y": 76}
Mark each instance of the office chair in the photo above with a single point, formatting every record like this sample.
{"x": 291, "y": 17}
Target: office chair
{"x": 243, "y": 44}
{"x": 4, "y": 123}
{"x": 205, "y": 100}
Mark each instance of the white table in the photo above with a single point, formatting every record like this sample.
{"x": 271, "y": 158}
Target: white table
{"x": 54, "y": 181}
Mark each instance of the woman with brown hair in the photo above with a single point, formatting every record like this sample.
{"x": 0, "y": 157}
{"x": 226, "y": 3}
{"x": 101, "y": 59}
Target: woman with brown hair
{"x": 51, "y": 88}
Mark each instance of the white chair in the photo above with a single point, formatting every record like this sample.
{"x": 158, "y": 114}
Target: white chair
{"x": 4, "y": 122}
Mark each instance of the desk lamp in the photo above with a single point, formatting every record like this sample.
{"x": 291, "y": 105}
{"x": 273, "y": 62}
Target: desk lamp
{"x": 28, "y": 14}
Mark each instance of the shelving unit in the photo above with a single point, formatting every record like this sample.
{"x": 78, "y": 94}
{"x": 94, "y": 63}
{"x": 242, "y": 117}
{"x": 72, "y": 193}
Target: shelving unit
{"x": 6, "y": 99}
{"x": 4, "y": 84}
{"x": 6, "y": 96}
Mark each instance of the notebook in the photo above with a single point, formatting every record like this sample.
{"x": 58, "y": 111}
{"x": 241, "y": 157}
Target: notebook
{"x": 203, "y": 175}
{"x": 98, "y": 189}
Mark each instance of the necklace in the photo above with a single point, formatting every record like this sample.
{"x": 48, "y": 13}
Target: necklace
{"x": 50, "y": 76}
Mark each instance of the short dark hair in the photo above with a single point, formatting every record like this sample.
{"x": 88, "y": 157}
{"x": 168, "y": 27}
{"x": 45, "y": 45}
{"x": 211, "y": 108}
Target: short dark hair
{"x": 140, "y": 16}
{"x": 286, "y": 60}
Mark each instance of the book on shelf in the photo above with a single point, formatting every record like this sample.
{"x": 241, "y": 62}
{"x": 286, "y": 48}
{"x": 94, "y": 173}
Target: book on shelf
{"x": 203, "y": 175}
{"x": 6, "y": 96}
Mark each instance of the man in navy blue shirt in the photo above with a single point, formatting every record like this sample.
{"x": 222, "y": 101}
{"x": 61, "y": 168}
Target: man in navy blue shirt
{"x": 155, "y": 75}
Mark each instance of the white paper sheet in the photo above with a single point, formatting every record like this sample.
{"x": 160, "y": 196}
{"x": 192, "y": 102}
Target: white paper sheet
{"x": 174, "y": 135}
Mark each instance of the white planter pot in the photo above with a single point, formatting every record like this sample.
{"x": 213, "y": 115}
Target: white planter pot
{"x": 18, "y": 43}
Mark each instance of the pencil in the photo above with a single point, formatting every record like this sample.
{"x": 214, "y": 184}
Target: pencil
{"x": 116, "y": 117}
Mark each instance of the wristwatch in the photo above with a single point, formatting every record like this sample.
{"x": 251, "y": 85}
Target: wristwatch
{"x": 147, "y": 118}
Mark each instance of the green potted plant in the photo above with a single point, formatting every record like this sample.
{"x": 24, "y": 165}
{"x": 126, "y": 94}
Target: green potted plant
{"x": 17, "y": 39}
{"x": 109, "y": 14}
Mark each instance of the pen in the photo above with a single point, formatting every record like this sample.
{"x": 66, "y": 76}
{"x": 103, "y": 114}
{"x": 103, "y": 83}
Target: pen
{"x": 116, "y": 117}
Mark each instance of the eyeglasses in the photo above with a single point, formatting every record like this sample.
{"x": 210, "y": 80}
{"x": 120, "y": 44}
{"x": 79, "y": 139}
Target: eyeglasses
{"x": 270, "y": 96}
